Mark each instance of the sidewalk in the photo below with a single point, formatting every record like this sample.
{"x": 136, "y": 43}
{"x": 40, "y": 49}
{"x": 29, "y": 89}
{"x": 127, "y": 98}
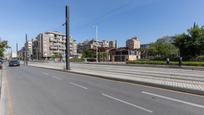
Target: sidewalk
{"x": 151, "y": 65}
{"x": 177, "y": 81}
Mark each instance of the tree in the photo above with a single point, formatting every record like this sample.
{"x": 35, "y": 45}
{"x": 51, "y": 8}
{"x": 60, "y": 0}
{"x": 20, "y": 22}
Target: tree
{"x": 161, "y": 50}
{"x": 54, "y": 56}
{"x": 103, "y": 56}
{"x": 191, "y": 44}
{"x": 3, "y": 47}
{"x": 88, "y": 53}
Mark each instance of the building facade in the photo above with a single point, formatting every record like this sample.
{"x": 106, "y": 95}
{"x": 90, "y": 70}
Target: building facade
{"x": 93, "y": 44}
{"x": 133, "y": 43}
{"x": 122, "y": 54}
{"x": 52, "y": 44}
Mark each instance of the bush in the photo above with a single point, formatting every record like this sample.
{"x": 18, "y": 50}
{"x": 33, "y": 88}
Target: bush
{"x": 76, "y": 60}
{"x": 187, "y": 63}
{"x": 147, "y": 62}
{"x": 190, "y": 63}
{"x": 200, "y": 58}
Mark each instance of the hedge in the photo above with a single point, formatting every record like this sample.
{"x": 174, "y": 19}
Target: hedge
{"x": 188, "y": 63}
{"x": 76, "y": 60}
{"x": 200, "y": 58}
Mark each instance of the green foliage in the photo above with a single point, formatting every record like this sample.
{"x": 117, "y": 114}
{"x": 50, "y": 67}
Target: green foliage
{"x": 3, "y": 46}
{"x": 193, "y": 63}
{"x": 187, "y": 63}
{"x": 55, "y": 55}
{"x": 147, "y": 62}
{"x": 103, "y": 56}
{"x": 200, "y": 58}
{"x": 88, "y": 53}
{"x": 191, "y": 44}
{"x": 162, "y": 50}
{"x": 76, "y": 60}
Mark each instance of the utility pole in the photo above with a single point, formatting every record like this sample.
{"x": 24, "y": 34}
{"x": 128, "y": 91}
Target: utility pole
{"x": 67, "y": 51}
{"x": 97, "y": 44}
{"x": 17, "y": 50}
{"x": 26, "y": 51}
{"x": 11, "y": 53}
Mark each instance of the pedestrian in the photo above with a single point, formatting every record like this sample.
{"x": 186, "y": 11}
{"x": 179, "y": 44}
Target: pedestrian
{"x": 180, "y": 61}
{"x": 167, "y": 61}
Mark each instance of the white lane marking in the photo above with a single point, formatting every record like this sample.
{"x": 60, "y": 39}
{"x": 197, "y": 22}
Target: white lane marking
{"x": 125, "y": 102}
{"x": 45, "y": 73}
{"x": 56, "y": 78}
{"x": 173, "y": 99}
{"x": 78, "y": 85}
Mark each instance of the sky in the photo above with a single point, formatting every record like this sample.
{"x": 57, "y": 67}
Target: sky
{"x": 115, "y": 19}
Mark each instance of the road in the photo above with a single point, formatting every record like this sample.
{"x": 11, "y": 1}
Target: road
{"x": 37, "y": 91}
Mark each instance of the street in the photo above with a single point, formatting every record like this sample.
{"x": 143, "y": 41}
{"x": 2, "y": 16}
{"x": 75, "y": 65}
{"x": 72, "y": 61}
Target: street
{"x": 36, "y": 91}
{"x": 191, "y": 81}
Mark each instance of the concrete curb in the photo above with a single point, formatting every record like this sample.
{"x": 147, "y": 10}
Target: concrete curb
{"x": 186, "y": 90}
{"x": 3, "y": 98}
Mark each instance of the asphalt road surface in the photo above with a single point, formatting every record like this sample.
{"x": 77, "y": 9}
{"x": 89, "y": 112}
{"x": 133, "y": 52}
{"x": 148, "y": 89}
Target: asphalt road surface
{"x": 36, "y": 91}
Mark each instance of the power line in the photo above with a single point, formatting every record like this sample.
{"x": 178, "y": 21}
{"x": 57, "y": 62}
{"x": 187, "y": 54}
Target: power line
{"x": 99, "y": 19}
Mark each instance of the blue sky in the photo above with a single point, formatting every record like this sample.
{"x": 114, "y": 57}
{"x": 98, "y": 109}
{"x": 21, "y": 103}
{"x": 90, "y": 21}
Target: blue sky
{"x": 116, "y": 19}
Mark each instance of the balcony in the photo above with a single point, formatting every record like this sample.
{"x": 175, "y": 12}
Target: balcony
{"x": 53, "y": 47}
{"x": 53, "y": 40}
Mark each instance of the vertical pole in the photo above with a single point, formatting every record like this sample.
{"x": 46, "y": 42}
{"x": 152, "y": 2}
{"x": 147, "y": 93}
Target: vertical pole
{"x": 11, "y": 53}
{"x": 97, "y": 44}
{"x": 37, "y": 53}
{"x": 17, "y": 50}
{"x": 26, "y": 51}
{"x": 67, "y": 52}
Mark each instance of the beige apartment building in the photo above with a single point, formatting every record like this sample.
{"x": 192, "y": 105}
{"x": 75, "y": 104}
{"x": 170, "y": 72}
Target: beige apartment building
{"x": 48, "y": 44}
{"x": 133, "y": 43}
{"x": 93, "y": 44}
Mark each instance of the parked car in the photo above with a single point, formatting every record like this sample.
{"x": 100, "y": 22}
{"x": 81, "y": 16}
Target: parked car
{"x": 14, "y": 62}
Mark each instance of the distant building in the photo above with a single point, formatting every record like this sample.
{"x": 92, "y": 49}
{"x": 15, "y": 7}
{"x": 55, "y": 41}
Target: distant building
{"x": 93, "y": 44}
{"x": 86, "y": 45}
{"x": 124, "y": 54}
{"x": 133, "y": 43}
{"x": 144, "y": 45}
{"x": 169, "y": 39}
{"x": 21, "y": 53}
{"x": 35, "y": 48}
{"x": 48, "y": 44}
{"x": 30, "y": 49}
{"x": 113, "y": 44}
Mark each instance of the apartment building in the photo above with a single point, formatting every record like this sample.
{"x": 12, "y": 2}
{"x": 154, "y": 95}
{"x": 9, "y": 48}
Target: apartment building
{"x": 30, "y": 50}
{"x": 113, "y": 44}
{"x": 48, "y": 44}
{"x": 133, "y": 43}
{"x": 93, "y": 44}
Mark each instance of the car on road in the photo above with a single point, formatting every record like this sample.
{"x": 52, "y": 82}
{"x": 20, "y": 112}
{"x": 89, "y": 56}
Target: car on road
{"x": 14, "y": 62}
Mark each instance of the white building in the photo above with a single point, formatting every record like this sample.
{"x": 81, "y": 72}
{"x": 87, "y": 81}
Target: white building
{"x": 48, "y": 44}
